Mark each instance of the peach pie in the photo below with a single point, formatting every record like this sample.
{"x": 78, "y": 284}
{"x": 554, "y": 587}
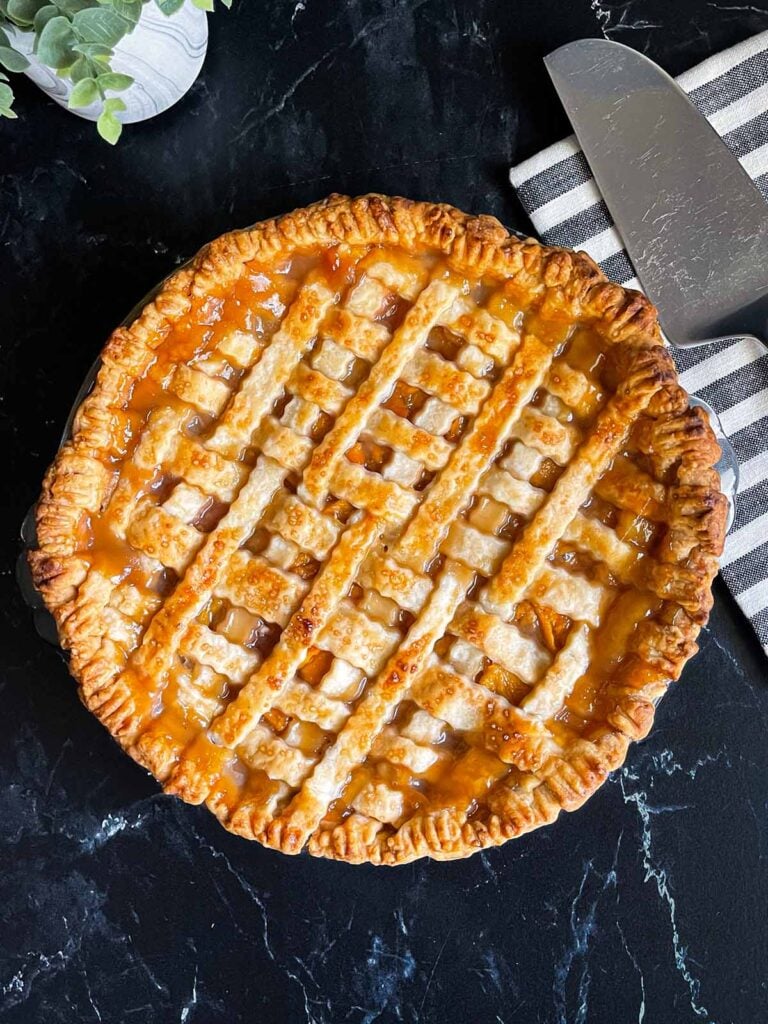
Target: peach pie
{"x": 382, "y": 531}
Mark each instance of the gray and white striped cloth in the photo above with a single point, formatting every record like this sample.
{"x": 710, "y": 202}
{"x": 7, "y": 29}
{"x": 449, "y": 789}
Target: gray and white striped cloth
{"x": 558, "y": 192}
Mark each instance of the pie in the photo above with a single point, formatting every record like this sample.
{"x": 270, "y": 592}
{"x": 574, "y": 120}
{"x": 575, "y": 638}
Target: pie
{"x": 382, "y": 531}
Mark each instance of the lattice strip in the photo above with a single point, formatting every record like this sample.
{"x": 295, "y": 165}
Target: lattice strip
{"x": 401, "y": 434}
{"x": 355, "y": 332}
{"x": 155, "y": 446}
{"x": 435, "y": 416}
{"x": 301, "y": 416}
{"x": 419, "y": 320}
{"x": 302, "y": 524}
{"x": 332, "y": 360}
{"x": 358, "y": 639}
{"x": 342, "y": 681}
{"x": 261, "y": 692}
{"x": 478, "y": 550}
{"x": 403, "y": 586}
{"x": 313, "y": 386}
{"x": 436, "y": 376}
{"x": 380, "y": 803}
{"x": 547, "y": 435}
{"x": 121, "y": 629}
{"x": 207, "y": 394}
{"x": 501, "y": 642}
{"x": 192, "y": 592}
{"x": 370, "y": 491}
{"x": 309, "y": 704}
{"x": 162, "y": 536}
{"x": 252, "y": 583}
{"x": 134, "y": 603}
{"x": 574, "y": 388}
{"x": 214, "y": 650}
{"x": 354, "y": 741}
{"x": 603, "y": 543}
{"x": 206, "y": 469}
{"x": 518, "y": 495}
{"x": 570, "y": 491}
{"x": 199, "y": 692}
{"x": 407, "y": 278}
{"x": 449, "y": 493}
{"x": 514, "y": 736}
{"x": 280, "y": 761}
{"x": 367, "y": 297}
{"x": 547, "y": 697}
{"x": 479, "y": 327}
{"x": 401, "y": 750}
{"x": 283, "y": 444}
{"x": 186, "y": 502}
{"x": 626, "y": 486}
{"x": 569, "y": 594}
{"x": 267, "y": 378}
{"x": 239, "y": 348}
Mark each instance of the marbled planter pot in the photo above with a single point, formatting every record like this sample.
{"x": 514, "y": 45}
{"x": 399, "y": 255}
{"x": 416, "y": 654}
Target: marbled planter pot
{"x": 163, "y": 55}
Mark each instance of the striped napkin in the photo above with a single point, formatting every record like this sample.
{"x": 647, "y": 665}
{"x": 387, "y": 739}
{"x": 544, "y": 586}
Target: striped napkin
{"x": 558, "y": 192}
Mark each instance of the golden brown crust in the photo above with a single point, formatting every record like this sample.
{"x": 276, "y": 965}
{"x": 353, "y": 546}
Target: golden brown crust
{"x": 675, "y": 442}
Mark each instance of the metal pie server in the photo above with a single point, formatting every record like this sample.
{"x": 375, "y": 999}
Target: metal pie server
{"x": 693, "y": 222}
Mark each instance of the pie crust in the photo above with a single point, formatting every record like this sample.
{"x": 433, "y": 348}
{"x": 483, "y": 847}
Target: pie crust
{"x": 382, "y": 531}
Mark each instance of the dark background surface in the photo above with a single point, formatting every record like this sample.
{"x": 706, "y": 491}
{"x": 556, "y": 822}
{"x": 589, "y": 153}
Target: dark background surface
{"x": 118, "y": 904}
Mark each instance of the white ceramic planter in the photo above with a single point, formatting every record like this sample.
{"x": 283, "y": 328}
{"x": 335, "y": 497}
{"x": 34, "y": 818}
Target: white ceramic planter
{"x": 163, "y": 55}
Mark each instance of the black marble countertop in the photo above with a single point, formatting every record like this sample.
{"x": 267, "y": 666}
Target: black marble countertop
{"x": 118, "y": 904}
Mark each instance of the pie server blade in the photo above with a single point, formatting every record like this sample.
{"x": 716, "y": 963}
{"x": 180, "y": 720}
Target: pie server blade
{"x": 693, "y": 222}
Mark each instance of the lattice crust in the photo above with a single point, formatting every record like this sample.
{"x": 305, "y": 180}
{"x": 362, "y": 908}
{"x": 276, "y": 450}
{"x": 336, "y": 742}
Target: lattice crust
{"x": 382, "y": 531}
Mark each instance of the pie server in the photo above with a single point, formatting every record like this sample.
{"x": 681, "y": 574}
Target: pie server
{"x": 693, "y": 222}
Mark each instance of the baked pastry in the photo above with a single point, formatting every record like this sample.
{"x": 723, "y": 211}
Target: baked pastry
{"x": 382, "y": 531}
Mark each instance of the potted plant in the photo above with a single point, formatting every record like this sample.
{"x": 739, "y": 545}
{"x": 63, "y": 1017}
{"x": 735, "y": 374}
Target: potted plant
{"x": 112, "y": 61}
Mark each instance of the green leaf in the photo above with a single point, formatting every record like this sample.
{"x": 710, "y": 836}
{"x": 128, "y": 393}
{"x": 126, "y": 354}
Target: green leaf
{"x": 108, "y": 127}
{"x": 55, "y": 46}
{"x": 100, "y": 25}
{"x": 113, "y": 104}
{"x": 114, "y": 81}
{"x": 203, "y": 5}
{"x": 23, "y": 11}
{"x": 43, "y": 16}
{"x": 72, "y": 7}
{"x": 128, "y": 9}
{"x": 84, "y": 93}
{"x": 169, "y": 6}
{"x": 13, "y": 60}
{"x": 95, "y": 51}
{"x": 6, "y": 99}
{"x": 82, "y": 68}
